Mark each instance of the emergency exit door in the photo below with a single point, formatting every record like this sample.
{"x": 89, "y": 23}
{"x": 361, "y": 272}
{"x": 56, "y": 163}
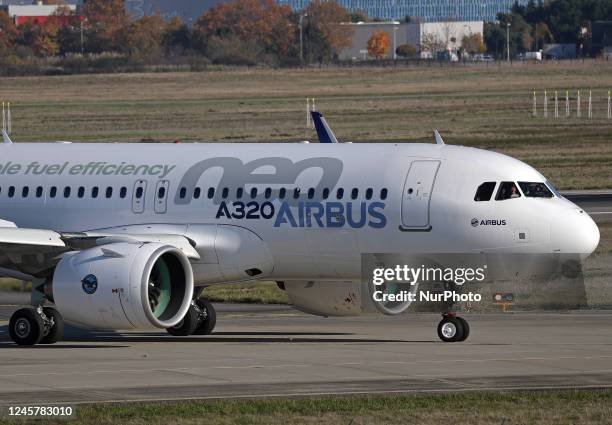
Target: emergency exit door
{"x": 161, "y": 196}
{"x": 416, "y": 198}
{"x": 138, "y": 196}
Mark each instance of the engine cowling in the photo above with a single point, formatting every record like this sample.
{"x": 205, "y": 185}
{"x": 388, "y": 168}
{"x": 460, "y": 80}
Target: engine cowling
{"x": 347, "y": 298}
{"x": 124, "y": 286}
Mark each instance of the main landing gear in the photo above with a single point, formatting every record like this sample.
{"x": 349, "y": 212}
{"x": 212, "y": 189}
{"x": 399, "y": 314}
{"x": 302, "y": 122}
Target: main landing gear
{"x": 200, "y": 319}
{"x": 453, "y": 328}
{"x": 41, "y": 325}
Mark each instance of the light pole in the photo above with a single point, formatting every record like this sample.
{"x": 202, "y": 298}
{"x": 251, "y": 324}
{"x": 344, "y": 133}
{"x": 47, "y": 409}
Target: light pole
{"x": 302, "y": 16}
{"x": 82, "y": 37}
{"x": 508, "y": 41}
{"x": 395, "y": 28}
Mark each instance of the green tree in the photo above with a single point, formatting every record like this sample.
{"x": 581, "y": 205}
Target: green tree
{"x": 406, "y": 50}
{"x": 325, "y": 37}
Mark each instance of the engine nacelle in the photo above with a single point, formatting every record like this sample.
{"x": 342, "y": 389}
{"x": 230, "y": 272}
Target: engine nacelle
{"x": 344, "y": 298}
{"x": 124, "y": 286}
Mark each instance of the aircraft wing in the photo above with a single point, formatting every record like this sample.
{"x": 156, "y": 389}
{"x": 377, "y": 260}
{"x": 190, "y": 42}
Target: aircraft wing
{"x": 31, "y": 251}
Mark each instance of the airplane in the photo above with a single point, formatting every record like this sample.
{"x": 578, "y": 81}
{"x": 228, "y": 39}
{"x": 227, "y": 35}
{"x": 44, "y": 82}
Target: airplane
{"x": 127, "y": 236}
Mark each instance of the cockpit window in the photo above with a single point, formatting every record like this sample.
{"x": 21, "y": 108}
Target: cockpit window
{"x": 535, "y": 190}
{"x": 507, "y": 190}
{"x": 485, "y": 191}
{"x": 553, "y": 189}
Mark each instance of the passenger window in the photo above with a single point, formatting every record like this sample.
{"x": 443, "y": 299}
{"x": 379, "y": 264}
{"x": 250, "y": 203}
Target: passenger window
{"x": 507, "y": 190}
{"x": 254, "y": 193}
{"x": 325, "y": 193}
{"x": 485, "y": 192}
{"x": 268, "y": 193}
{"x": 311, "y": 193}
{"x": 53, "y": 192}
{"x": 81, "y": 192}
{"x": 369, "y": 194}
{"x": 161, "y": 192}
{"x": 340, "y": 193}
{"x": 535, "y": 190}
{"x": 197, "y": 192}
{"x": 109, "y": 192}
{"x": 25, "y": 191}
{"x": 11, "y": 191}
{"x": 139, "y": 192}
{"x": 282, "y": 193}
{"x": 355, "y": 193}
{"x": 123, "y": 192}
{"x": 183, "y": 192}
{"x": 67, "y": 192}
{"x": 39, "y": 192}
{"x": 225, "y": 193}
{"x": 94, "y": 192}
{"x": 296, "y": 193}
{"x": 211, "y": 192}
{"x": 383, "y": 194}
{"x": 239, "y": 193}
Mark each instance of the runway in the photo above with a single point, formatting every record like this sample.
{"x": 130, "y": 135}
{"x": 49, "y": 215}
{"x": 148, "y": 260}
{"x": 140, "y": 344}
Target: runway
{"x": 281, "y": 353}
{"x": 275, "y": 351}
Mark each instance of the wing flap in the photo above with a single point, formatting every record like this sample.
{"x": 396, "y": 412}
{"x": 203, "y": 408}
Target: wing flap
{"x": 30, "y": 237}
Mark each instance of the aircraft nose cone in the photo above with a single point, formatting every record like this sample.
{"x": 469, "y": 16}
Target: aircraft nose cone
{"x": 588, "y": 236}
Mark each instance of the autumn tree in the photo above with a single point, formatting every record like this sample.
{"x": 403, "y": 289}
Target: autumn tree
{"x": 143, "y": 38}
{"x": 263, "y": 22}
{"x": 325, "y": 36}
{"x": 8, "y": 33}
{"x": 106, "y": 22}
{"x": 473, "y": 44}
{"x": 431, "y": 43}
{"x": 378, "y": 45}
{"x": 176, "y": 35}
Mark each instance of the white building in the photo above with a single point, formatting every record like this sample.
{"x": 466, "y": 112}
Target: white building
{"x": 444, "y": 36}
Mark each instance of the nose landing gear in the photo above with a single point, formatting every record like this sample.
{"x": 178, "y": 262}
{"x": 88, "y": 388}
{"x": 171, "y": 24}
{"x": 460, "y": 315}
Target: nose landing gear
{"x": 31, "y": 326}
{"x": 453, "y": 328}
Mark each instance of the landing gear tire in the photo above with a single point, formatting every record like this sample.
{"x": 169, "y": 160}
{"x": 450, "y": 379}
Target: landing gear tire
{"x": 56, "y": 329}
{"x": 207, "y": 316}
{"x": 188, "y": 325}
{"x": 450, "y": 329}
{"x": 466, "y": 328}
{"x": 26, "y": 327}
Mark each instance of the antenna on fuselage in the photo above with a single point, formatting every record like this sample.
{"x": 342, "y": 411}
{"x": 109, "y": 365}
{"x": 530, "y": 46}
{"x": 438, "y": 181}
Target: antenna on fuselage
{"x": 439, "y": 140}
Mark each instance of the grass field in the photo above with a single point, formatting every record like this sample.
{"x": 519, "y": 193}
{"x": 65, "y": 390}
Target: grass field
{"x": 476, "y": 105}
{"x": 520, "y": 407}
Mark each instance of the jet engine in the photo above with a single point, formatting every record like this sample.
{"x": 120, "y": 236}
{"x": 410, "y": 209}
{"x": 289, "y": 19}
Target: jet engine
{"x": 346, "y": 298}
{"x": 123, "y": 286}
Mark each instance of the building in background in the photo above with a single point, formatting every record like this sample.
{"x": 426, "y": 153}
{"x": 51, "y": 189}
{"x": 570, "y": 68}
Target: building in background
{"x": 36, "y": 13}
{"x": 424, "y": 10}
{"x": 188, "y": 10}
{"x": 428, "y": 38}
{"x": 602, "y": 38}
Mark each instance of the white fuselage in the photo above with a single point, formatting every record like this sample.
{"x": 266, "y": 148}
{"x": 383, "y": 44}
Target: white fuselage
{"x": 311, "y": 234}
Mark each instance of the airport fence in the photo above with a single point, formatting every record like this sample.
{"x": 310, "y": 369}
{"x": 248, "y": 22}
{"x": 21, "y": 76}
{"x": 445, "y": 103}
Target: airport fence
{"x": 571, "y": 103}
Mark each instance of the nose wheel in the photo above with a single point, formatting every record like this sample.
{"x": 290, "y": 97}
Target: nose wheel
{"x": 453, "y": 328}
{"x": 31, "y": 326}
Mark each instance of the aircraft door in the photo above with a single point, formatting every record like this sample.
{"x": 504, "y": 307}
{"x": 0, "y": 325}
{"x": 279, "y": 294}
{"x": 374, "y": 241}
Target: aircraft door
{"x": 161, "y": 196}
{"x": 416, "y": 198}
{"x": 138, "y": 197}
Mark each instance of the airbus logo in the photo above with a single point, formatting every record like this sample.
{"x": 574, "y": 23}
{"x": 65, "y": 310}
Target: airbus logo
{"x": 476, "y": 222}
